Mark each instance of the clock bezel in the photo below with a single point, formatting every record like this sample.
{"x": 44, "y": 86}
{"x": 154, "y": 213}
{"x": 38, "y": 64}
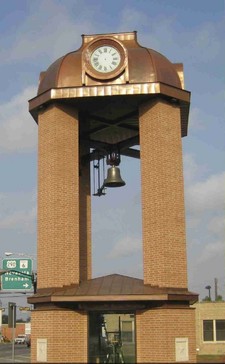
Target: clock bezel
{"x": 101, "y": 43}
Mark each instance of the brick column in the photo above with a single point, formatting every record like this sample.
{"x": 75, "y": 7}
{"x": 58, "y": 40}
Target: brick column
{"x": 157, "y": 330}
{"x": 85, "y": 217}
{"x": 58, "y": 197}
{"x": 65, "y": 332}
{"x": 163, "y": 219}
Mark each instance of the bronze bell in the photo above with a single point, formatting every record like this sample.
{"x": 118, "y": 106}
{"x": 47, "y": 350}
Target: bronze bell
{"x": 113, "y": 178}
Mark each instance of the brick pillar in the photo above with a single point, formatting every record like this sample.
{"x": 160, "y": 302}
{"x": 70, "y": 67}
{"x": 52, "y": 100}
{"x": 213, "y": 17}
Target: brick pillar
{"x": 65, "y": 332}
{"x": 163, "y": 219}
{"x": 85, "y": 217}
{"x": 157, "y": 330}
{"x": 58, "y": 197}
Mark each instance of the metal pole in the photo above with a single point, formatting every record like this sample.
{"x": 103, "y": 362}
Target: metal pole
{"x": 216, "y": 288}
{"x": 13, "y": 334}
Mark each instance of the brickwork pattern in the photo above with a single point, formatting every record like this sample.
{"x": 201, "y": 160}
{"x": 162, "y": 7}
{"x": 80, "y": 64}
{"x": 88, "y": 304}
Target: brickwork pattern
{"x": 58, "y": 197}
{"x": 7, "y": 331}
{"x": 157, "y": 330}
{"x": 85, "y": 218}
{"x": 163, "y": 217}
{"x": 209, "y": 311}
{"x": 66, "y": 334}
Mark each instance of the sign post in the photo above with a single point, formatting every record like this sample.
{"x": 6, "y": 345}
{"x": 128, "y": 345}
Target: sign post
{"x": 17, "y": 279}
{"x": 12, "y": 324}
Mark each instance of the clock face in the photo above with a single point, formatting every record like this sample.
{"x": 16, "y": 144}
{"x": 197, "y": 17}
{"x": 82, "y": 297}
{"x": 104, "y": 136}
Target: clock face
{"x": 105, "y": 59}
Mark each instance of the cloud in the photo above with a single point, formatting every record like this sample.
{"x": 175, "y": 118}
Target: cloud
{"x": 20, "y": 220}
{"x": 217, "y": 225}
{"x": 211, "y": 251}
{"x": 207, "y": 38}
{"x": 125, "y": 247}
{"x": 190, "y": 167}
{"x": 204, "y": 200}
{"x": 48, "y": 30}
{"x": 18, "y": 131}
{"x": 196, "y": 119}
{"x": 18, "y": 213}
{"x": 207, "y": 195}
{"x": 131, "y": 17}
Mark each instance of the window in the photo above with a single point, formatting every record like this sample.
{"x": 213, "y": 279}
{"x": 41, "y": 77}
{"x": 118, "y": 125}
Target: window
{"x": 127, "y": 331}
{"x": 220, "y": 330}
{"x": 213, "y": 330}
{"x": 208, "y": 330}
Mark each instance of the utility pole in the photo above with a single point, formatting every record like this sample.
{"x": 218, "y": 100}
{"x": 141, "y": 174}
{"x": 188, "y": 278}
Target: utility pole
{"x": 216, "y": 288}
{"x": 12, "y": 324}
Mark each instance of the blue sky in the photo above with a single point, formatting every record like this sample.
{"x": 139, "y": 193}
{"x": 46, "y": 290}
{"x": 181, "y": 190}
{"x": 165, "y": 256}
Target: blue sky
{"x": 33, "y": 35}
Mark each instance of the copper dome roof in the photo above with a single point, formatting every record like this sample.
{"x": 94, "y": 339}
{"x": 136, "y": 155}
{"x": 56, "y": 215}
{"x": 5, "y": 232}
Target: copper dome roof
{"x": 141, "y": 74}
{"x": 145, "y": 65}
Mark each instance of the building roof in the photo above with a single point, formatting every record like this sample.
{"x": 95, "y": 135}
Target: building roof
{"x": 145, "y": 65}
{"x": 113, "y": 287}
{"x": 110, "y": 106}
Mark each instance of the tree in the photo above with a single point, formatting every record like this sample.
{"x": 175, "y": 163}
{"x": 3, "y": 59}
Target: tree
{"x": 207, "y": 299}
{"x": 219, "y": 298}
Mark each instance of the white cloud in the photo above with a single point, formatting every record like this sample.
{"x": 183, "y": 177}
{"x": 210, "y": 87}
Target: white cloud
{"x": 125, "y": 247}
{"x": 206, "y": 195}
{"x": 217, "y": 225}
{"x": 18, "y": 131}
{"x": 190, "y": 167}
{"x": 210, "y": 251}
{"x": 48, "y": 30}
{"x": 131, "y": 17}
{"x": 20, "y": 220}
{"x": 17, "y": 213}
{"x": 196, "y": 119}
{"x": 207, "y": 38}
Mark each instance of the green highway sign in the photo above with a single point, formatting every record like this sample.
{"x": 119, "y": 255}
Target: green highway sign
{"x": 17, "y": 279}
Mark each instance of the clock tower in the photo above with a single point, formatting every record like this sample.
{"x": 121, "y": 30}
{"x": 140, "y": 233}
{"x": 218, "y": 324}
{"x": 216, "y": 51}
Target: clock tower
{"x": 98, "y": 102}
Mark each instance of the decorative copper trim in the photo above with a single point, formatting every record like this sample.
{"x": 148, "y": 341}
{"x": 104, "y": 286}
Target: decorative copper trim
{"x": 151, "y": 88}
{"x": 121, "y": 36}
{"x": 109, "y": 90}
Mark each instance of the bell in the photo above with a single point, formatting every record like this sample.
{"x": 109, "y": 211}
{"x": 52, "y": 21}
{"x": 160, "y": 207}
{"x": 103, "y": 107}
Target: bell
{"x": 113, "y": 178}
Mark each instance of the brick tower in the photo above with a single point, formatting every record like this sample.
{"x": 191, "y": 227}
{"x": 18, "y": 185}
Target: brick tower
{"x": 108, "y": 96}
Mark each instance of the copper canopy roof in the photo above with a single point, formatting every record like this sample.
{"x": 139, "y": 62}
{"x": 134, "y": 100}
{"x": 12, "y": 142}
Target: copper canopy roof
{"x": 112, "y": 288}
{"x": 110, "y": 107}
{"x": 145, "y": 65}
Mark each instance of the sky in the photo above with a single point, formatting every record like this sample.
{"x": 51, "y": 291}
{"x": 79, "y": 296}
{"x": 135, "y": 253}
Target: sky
{"x": 36, "y": 33}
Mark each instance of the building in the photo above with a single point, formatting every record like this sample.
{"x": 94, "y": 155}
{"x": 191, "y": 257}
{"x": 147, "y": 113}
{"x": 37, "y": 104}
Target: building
{"x": 210, "y": 328}
{"x": 98, "y": 102}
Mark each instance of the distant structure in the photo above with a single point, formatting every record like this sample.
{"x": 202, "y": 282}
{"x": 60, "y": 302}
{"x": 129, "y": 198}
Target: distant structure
{"x": 98, "y": 103}
{"x": 210, "y": 328}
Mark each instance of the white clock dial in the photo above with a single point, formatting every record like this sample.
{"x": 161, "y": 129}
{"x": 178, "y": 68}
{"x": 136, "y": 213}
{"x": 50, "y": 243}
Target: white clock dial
{"x": 105, "y": 59}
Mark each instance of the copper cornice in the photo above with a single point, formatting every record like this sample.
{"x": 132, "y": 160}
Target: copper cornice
{"x": 175, "y": 94}
{"x": 120, "y": 36}
{"x": 108, "y": 90}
